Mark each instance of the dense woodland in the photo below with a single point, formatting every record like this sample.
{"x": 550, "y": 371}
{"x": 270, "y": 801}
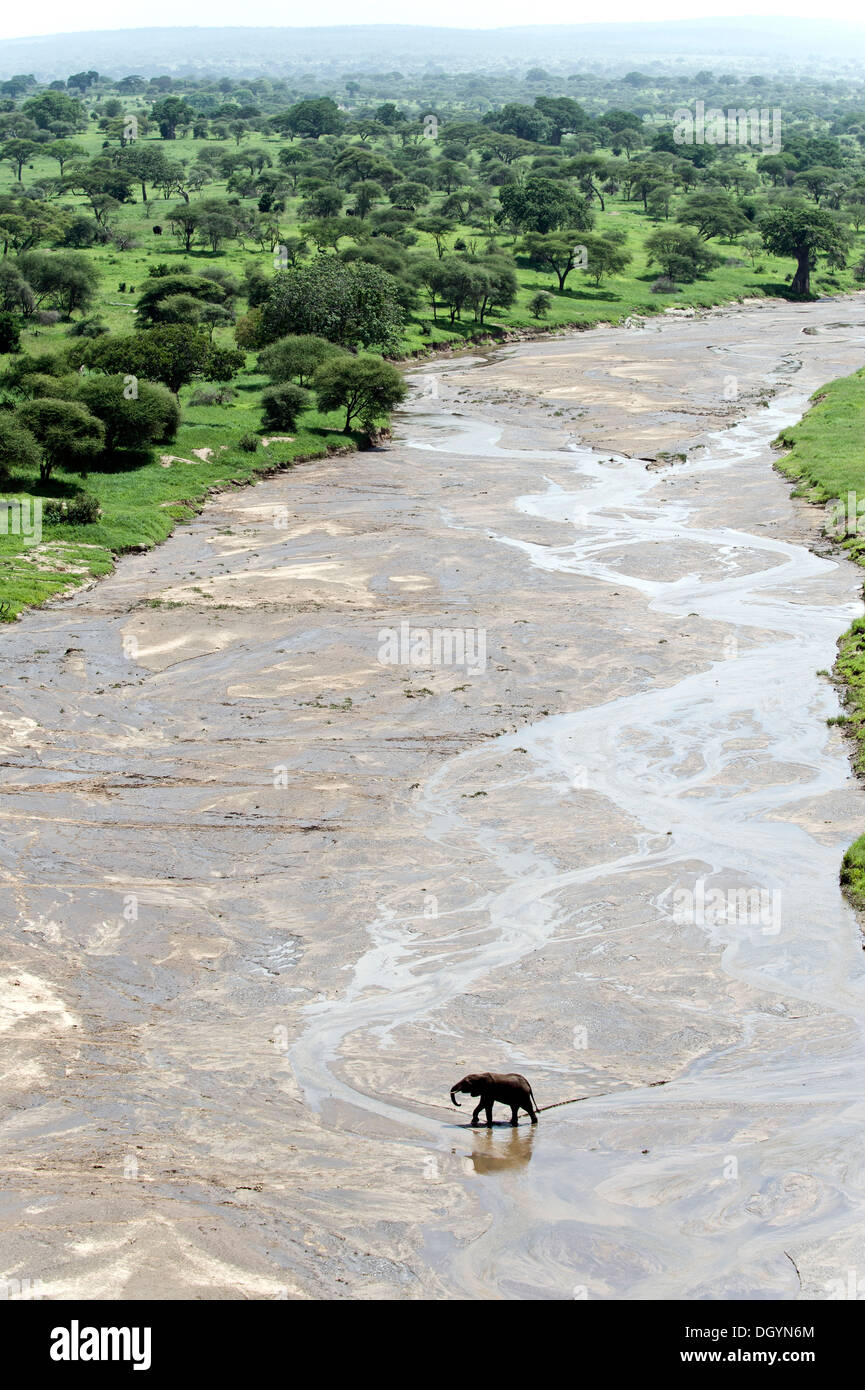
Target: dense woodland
{"x": 216, "y": 272}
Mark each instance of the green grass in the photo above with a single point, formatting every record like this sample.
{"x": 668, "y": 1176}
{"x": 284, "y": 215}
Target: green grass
{"x": 826, "y": 455}
{"x": 827, "y": 461}
{"x": 852, "y": 874}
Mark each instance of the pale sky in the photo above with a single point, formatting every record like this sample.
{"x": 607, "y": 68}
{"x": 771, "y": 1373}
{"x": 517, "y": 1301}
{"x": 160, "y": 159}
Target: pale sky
{"x": 52, "y": 16}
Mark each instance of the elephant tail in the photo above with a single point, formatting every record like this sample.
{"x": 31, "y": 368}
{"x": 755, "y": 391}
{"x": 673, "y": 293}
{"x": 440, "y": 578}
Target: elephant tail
{"x": 534, "y": 1102}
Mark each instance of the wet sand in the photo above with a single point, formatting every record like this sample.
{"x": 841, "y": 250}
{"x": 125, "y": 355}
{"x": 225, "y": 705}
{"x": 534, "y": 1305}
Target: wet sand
{"x": 266, "y": 895}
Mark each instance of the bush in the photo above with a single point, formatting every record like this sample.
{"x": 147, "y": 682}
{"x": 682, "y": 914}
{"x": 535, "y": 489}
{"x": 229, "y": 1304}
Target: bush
{"x": 296, "y": 357}
{"x": 81, "y": 510}
{"x": 282, "y": 406}
{"x": 249, "y": 330}
{"x": 540, "y": 305}
{"x": 248, "y": 442}
{"x": 83, "y": 232}
{"x": 46, "y": 318}
{"x": 87, "y": 328}
{"x": 212, "y": 395}
{"x": 132, "y": 416}
{"x": 664, "y": 285}
{"x": 680, "y": 254}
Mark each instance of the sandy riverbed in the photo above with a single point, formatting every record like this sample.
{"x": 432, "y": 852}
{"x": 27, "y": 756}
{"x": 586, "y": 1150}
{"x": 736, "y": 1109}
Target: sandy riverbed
{"x": 266, "y": 896}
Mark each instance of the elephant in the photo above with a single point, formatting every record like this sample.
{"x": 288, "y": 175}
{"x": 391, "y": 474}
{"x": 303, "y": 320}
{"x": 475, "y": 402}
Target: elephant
{"x": 510, "y": 1089}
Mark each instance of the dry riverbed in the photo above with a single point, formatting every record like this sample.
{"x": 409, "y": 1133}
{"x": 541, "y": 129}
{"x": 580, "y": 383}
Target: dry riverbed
{"x": 267, "y": 892}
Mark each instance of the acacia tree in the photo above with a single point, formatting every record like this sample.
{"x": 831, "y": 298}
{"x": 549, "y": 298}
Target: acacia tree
{"x": 805, "y": 233}
{"x": 62, "y": 151}
{"x": 144, "y": 163}
{"x": 557, "y": 250}
{"x": 314, "y": 116}
{"x": 66, "y": 280}
{"x": 18, "y": 153}
{"x": 365, "y": 387}
{"x": 713, "y": 215}
{"x": 67, "y": 434}
{"x": 160, "y": 288}
{"x": 605, "y": 255}
{"x": 184, "y": 222}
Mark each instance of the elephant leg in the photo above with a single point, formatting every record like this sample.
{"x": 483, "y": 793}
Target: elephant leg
{"x": 531, "y": 1113}
{"x": 488, "y": 1107}
{"x": 515, "y": 1113}
{"x": 480, "y": 1107}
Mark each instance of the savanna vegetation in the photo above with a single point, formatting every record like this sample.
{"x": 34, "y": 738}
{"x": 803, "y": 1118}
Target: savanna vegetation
{"x": 203, "y": 278}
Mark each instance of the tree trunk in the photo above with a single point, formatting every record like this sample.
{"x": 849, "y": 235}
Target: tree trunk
{"x": 802, "y": 279}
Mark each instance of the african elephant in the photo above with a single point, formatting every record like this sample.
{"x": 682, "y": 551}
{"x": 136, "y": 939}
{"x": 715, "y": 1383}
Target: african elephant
{"x": 510, "y": 1089}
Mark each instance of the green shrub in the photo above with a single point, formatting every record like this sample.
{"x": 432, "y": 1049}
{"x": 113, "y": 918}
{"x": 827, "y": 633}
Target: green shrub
{"x": 282, "y": 406}
{"x": 81, "y": 510}
{"x": 540, "y": 305}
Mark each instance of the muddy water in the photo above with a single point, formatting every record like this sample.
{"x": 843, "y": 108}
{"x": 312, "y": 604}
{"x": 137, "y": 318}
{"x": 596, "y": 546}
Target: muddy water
{"x": 268, "y": 895}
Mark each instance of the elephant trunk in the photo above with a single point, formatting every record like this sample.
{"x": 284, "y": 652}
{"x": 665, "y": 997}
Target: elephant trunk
{"x": 453, "y": 1101}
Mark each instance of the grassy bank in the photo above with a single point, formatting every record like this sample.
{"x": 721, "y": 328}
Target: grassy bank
{"x": 827, "y": 462}
{"x": 142, "y": 496}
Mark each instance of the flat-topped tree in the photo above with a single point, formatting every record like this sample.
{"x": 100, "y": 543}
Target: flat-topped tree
{"x": 365, "y": 387}
{"x": 805, "y": 233}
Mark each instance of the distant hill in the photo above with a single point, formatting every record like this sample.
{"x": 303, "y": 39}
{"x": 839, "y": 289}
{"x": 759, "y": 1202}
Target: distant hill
{"x": 766, "y": 44}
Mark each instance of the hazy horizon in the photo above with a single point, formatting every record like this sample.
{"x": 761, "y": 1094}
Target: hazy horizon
{"x": 764, "y": 43}
{"x": 99, "y": 16}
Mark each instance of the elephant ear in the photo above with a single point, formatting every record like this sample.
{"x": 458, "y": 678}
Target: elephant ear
{"x": 486, "y": 1077}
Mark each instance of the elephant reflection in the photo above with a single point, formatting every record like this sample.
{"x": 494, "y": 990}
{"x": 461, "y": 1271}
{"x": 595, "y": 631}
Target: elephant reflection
{"x": 493, "y": 1156}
